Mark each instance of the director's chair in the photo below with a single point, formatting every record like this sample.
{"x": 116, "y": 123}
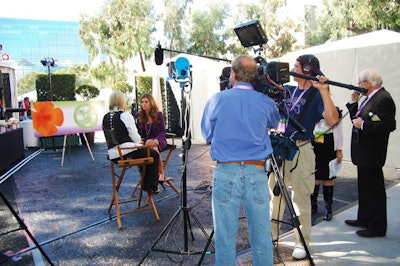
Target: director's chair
{"x": 124, "y": 165}
{"x": 169, "y": 149}
{"x": 167, "y": 180}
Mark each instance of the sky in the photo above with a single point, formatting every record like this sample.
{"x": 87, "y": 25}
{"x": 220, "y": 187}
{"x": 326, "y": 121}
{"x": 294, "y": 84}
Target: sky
{"x": 70, "y": 10}
{"x": 62, "y": 10}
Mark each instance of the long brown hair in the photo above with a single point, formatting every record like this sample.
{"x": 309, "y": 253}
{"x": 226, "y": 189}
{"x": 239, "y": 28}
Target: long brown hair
{"x": 153, "y": 113}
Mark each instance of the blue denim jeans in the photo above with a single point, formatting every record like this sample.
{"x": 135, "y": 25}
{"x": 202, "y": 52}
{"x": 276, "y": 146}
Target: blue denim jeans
{"x": 236, "y": 184}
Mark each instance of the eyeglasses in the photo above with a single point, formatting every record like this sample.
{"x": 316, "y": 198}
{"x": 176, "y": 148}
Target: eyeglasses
{"x": 361, "y": 82}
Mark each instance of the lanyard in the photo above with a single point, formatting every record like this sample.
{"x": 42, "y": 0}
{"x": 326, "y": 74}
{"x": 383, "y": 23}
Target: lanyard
{"x": 367, "y": 100}
{"x": 298, "y": 98}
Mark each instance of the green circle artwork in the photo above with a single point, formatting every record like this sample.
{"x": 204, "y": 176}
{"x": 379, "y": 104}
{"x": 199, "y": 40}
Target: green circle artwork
{"x": 85, "y": 116}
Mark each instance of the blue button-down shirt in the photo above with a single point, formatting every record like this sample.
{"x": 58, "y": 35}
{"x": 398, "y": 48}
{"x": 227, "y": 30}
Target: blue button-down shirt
{"x": 236, "y": 122}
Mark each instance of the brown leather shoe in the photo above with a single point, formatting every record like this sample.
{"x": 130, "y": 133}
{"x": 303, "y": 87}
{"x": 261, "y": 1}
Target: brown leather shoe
{"x": 368, "y": 233}
{"x": 355, "y": 223}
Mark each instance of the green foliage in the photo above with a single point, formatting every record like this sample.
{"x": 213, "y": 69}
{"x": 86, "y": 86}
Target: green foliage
{"x": 63, "y": 87}
{"x": 338, "y": 19}
{"x": 123, "y": 87}
{"x": 82, "y": 74}
{"x": 27, "y": 83}
{"x": 121, "y": 30}
{"x": 87, "y": 92}
{"x": 207, "y": 34}
{"x": 144, "y": 84}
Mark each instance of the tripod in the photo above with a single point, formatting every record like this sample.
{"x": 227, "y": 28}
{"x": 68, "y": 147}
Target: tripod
{"x": 184, "y": 208}
{"x": 295, "y": 219}
{"x": 24, "y": 227}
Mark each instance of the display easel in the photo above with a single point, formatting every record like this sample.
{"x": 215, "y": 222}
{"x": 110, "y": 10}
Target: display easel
{"x": 65, "y": 145}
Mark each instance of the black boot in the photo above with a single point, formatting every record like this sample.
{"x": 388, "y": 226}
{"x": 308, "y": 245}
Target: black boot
{"x": 314, "y": 200}
{"x": 328, "y": 198}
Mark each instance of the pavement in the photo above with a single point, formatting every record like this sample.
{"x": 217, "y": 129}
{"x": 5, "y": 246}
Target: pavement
{"x": 65, "y": 208}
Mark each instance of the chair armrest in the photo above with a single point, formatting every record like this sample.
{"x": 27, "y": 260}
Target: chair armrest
{"x": 170, "y": 135}
{"x": 138, "y": 161}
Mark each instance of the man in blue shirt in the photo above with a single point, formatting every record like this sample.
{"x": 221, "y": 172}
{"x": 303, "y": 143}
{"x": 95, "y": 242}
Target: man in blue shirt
{"x": 236, "y": 122}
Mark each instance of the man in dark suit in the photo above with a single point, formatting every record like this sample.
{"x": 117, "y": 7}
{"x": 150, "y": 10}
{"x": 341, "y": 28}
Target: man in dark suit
{"x": 372, "y": 122}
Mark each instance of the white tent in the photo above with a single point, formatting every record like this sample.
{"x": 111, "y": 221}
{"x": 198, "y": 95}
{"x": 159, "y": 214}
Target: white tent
{"x": 342, "y": 60}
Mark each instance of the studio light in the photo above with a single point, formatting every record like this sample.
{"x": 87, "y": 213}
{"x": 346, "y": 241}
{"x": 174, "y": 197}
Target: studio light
{"x": 49, "y": 62}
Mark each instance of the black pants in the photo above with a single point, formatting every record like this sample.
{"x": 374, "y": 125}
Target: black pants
{"x": 151, "y": 175}
{"x": 372, "y": 198}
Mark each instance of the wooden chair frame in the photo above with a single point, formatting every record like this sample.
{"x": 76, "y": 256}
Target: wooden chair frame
{"x": 117, "y": 178}
{"x": 170, "y": 148}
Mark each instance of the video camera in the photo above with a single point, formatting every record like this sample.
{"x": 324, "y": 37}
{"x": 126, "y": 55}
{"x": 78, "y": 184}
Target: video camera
{"x": 270, "y": 75}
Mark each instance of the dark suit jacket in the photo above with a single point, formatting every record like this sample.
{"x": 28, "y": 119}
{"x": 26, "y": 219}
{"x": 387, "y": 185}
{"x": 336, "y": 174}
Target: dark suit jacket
{"x": 371, "y": 148}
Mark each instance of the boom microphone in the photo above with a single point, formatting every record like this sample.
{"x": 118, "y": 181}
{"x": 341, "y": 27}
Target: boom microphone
{"x": 347, "y": 86}
{"x": 159, "y": 54}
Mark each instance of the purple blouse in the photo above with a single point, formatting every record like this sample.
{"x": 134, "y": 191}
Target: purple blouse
{"x": 154, "y": 131}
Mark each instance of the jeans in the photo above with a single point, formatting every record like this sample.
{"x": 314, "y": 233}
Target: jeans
{"x": 234, "y": 185}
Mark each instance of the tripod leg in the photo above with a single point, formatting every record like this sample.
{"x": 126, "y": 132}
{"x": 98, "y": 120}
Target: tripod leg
{"x": 23, "y": 225}
{"x": 295, "y": 219}
{"x": 206, "y": 247}
{"x": 160, "y": 235}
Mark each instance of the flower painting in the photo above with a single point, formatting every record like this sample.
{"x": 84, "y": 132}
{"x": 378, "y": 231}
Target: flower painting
{"x": 46, "y": 118}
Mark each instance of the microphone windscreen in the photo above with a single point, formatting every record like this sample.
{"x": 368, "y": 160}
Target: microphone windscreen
{"x": 159, "y": 56}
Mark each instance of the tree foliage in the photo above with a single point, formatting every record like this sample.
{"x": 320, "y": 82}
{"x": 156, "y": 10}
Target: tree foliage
{"x": 338, "y": 19}
{"x": 121, "y": 31}
{"x": 174, "y": 19}
{"x": 87, "y": 91}
{"x": 123, "y": 87}
{"x": 27, "y": 83}
{"x": 207, "y": 34}
{"x": 280, "y": 29}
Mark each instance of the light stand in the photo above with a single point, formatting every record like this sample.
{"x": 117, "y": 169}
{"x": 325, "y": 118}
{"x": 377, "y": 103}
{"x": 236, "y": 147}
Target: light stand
{"x": 184, "y": 77}
{"x": 49, "y": 62}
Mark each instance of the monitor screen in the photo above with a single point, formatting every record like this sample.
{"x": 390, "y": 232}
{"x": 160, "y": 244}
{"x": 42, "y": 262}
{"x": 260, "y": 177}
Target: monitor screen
{"x": 251, "y": 34}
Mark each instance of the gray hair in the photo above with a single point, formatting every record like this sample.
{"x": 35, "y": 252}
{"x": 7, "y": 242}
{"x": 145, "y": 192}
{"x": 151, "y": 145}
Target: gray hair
{"x": 371, "y": 76}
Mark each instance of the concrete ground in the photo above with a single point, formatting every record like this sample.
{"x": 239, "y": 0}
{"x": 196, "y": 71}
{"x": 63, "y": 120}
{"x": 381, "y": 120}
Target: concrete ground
{"x": 65, "y": 207}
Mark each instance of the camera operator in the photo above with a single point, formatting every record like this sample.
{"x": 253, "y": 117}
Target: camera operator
{"x": 235, "y": 121}
{"x": 307, "y": 103}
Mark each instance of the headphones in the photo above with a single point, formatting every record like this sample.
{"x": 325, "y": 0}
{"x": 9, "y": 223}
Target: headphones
{"x": 307, "y": 67}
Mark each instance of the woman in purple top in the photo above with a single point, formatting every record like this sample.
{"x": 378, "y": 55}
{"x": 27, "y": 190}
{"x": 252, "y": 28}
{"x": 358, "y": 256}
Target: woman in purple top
{"x": 151, "y": 127}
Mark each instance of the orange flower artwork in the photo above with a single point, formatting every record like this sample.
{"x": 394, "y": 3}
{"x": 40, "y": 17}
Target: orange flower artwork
{"x": 46, "y": 118}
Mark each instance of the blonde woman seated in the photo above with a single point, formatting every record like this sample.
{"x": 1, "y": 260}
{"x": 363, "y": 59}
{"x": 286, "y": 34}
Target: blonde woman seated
{"x": 151, "y": 126}
{"x": 127, "y": 135}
